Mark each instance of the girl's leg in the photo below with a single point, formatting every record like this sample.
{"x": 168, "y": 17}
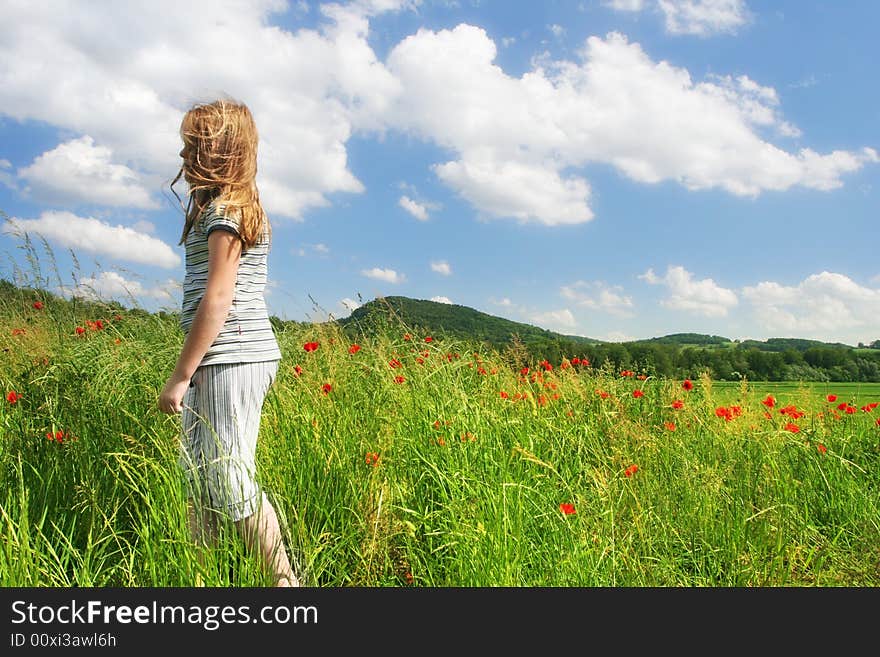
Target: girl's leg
{"x": 262, "y": 532}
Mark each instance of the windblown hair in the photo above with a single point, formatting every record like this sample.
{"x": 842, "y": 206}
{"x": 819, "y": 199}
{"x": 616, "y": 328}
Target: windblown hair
{"x": 220, "y": 166}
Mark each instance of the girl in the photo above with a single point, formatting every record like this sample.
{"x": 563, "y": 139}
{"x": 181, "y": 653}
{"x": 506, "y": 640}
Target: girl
{"x": 230, "y": 356}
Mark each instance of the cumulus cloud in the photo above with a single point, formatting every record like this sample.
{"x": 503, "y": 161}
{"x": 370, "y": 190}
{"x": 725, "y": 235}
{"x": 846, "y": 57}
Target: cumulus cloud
{"x": 387, "y": 275}
{"x": 695, "y": 17}
{"x": 418, "y": 210}
{"x": 822, "y": 305}
{"x": 95, "y": 236}
{"x": 111, "y": 285}
{"x": 441, "y": 299}
{"x": 701, "y": 297}
{"x": 518, "y": 143}
{"x": 597, "y": 295}
{"x": 349, "y": 304}
{"x": 123, "y": 75}
{"x": 441, "y": 267}
{"x": 704, "y": 17}
{"x": 555, "y": 320}
{"x": 78, "y": 171}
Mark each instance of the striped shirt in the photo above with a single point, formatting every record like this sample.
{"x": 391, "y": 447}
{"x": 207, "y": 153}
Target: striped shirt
{"x": 246, "y": 335}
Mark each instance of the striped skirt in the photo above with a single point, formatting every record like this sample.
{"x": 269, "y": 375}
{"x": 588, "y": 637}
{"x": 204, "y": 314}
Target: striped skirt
{"x": 219, "y": 426}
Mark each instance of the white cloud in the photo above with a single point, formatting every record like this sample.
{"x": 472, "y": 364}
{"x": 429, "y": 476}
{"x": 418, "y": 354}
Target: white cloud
{"x": 616, "y": 336}
{"x": 441, "y": 267}
{"x": 111, "y": 285}
{"x": 557, "y": 30}
{"x": 703, "y": 297}
{"x": 441, "y": 299}
{"x": 827, "y": 306}
{"x": 6, "y": 178}
{"x": 123, "y": 74}
{"x": 349, "y": 304}
{"x": 518, "y": 143}
{"x": 302, "y": 251}
{"x": 78, "y": 171}
{"x": 704, "y": 17}
{"x": 144, "y": 226}
{"x": 418, "y": 210}
{"x": 555, "y": 320}
{"x": 625, "y": 5}
{"x": 387, "y": 275}
{"x": 505, "y": 302}
{"x": 95, "y": 236}
{"x": 597, "y": 295}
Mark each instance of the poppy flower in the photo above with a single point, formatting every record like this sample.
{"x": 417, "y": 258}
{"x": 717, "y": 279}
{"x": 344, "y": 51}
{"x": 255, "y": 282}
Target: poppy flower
{"x": 631, "y": 470}
{"x": 326, "y": 388}
{"x": 18, "y": 331}
{"x": 394, "y": 363}
{"x": 687, "y": 384}
{"x": 12, "y": 397}
{"x": 310, "y": 346}
{"x": 80, "y": 330}
{"x": 670, "y": 426}
{"x": 567, "y": 509}
{"x": 822, "y": 449}
{"x": 504, "y": 395}
{"x": 428, "y": 338}
{"x": 353, "y": 349}
{"x": 793, "y": 428}
{"x": 638, "y": 393}
{"x": 297, "y": 370}
{"x": 831, "y": 398}
{"x": 769, "y": 401}
{"x": 676, "y": 404}
{"x": 407, "y": 336}
{"x": 399, "y": 379}
{"x": 38, "y": 305}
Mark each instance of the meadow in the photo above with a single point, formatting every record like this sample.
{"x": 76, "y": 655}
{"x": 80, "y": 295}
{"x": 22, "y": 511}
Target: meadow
{"x": 403, "y": 460}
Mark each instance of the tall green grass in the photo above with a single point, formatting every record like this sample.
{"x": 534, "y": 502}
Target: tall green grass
{"x": 437, "y": 480}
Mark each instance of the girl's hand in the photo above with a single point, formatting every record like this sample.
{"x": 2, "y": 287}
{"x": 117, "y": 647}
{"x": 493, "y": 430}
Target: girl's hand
{"x": 171, "y": 397}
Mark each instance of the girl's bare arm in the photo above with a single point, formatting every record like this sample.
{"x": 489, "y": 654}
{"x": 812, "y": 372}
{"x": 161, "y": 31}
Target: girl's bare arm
{"x": 224, "y": 252}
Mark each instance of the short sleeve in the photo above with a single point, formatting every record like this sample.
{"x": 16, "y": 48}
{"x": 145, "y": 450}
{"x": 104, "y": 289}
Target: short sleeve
{"x": 215, "y": 218}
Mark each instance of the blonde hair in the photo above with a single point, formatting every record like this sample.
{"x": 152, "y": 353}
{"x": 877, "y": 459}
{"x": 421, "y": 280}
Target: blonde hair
{"x": 220, "y": 165}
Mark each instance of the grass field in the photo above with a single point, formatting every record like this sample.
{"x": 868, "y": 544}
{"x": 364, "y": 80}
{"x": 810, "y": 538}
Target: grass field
{"x": 417, "y": 462}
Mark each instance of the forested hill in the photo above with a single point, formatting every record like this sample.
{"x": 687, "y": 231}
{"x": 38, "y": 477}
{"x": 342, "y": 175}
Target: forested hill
{"x": 451, "y": 320}
{"x": 675, "y": 355}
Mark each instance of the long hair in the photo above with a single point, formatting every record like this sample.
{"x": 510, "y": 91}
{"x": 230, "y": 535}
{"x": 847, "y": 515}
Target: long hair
{"x": 220, "y": 165}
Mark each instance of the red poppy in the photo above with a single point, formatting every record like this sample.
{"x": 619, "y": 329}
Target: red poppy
{"x": 18, "y": 331}
{"x": 504, "y": 395}
{"x": 627, "y": 373}
{"x": 395, "y": 363}
{"x": 399, "y": 379}
{"x": 297, "y": 370}
{"x": 670, "y": 426}
{"x": 831, "y": 398}
{"x": 326, "y": 388}
{"x": 575, "y": 361}
{"x": 428, "y": 338}
{"x": 372, "y": 458}
{"x": 642, "y": 377}
{"x": 12, "y": 397}
{"x": 524, "y": 371}
{"x": 769, "y": 402}
{"x": 822, "y": 449}
{"x": 38, "y": 305}
{"x": 353, "y": 349}
{"x": 407, "y": 336}
{"x": 567, "y": 509}
{"x": 310, "y": 346}
{"x": 603, "y": 394}
{"x": 409, "y": 578}
{"x": 638, "y": 393}
{"x": 687, "y": 384}
{"x": 80, "y": 330}
{"x": 631, "y": 470}
{"x": 677, "y": 404}
{"x": 792, "y": 427}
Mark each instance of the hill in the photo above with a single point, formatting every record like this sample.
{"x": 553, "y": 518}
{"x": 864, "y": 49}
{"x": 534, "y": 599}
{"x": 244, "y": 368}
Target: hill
{"x": 451, "y": 320}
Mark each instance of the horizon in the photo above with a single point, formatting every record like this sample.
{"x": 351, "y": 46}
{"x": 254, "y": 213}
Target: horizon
{"x": 619, "y": 170}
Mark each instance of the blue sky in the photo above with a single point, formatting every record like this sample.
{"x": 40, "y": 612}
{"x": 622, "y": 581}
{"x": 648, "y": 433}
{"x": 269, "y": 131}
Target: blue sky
{"x": 618, "y": 169}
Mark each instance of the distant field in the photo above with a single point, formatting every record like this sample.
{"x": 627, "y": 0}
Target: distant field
{"x": 854, "y": 393}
